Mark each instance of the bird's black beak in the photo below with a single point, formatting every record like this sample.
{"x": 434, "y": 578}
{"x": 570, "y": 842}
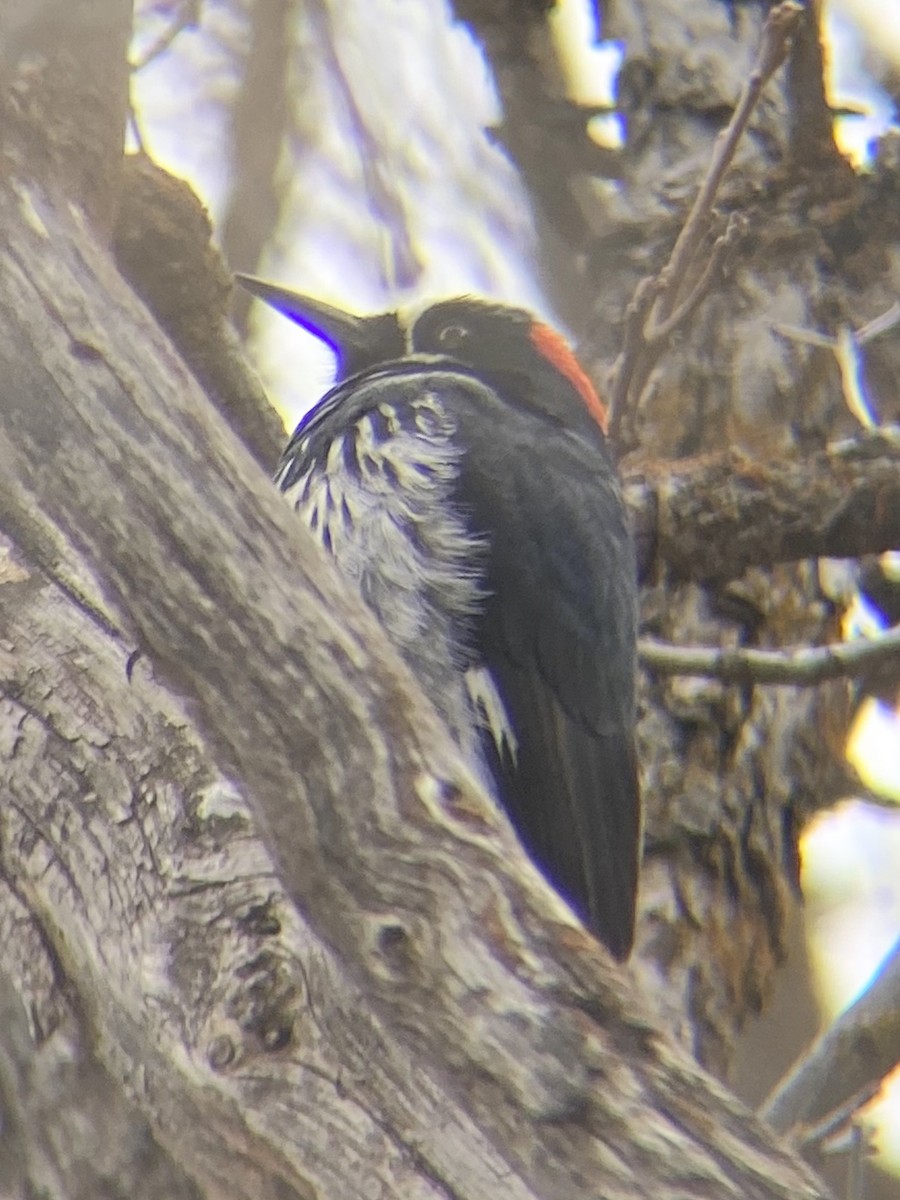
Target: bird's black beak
{"x": 358, "y": 342}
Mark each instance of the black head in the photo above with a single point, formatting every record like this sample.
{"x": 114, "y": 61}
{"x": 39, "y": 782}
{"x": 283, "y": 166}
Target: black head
{"x": 472, "y": 331}
{"x": 526, "y": 361}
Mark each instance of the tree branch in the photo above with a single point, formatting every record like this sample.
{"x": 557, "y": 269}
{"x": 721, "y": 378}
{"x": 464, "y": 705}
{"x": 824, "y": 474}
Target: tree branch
{"x": 804, "y": 667}
{"x": 778, "y": 31}
{"x": 844, "y": 1068}
{"x": 259, "y": 126}
{"x": 712, "y": 518}
{"x": 186, "y": 16}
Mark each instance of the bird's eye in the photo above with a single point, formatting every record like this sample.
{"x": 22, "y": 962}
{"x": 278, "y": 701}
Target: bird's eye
{"x": 451, "y": 337}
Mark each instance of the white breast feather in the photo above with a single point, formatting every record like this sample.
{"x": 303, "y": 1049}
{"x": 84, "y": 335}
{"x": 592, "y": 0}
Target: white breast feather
{"x": 391, "y": 525}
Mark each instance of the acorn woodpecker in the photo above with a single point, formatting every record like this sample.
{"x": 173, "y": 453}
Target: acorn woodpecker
{"x": 459, "y": 474}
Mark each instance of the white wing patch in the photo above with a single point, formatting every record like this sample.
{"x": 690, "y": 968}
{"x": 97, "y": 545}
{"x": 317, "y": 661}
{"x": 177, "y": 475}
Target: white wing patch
{"x": 490, "y": 711}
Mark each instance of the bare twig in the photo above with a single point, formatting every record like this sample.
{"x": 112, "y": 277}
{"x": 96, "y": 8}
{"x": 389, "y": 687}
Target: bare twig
{"x": 846, "y": 346}
{"x": 833, "y": 1134}
{"x": 624, "y": 378}
{"x": 805, "y": 667}
{"x": 646, "y": 343}
{"x": 658, "y": 330}
{"x": 878, "y": 325}
{"x": 187, "y": 16}
{"x": 844, "y": 1067}
{"x": 776, "y": 40}
{"x": 134, "y": 126}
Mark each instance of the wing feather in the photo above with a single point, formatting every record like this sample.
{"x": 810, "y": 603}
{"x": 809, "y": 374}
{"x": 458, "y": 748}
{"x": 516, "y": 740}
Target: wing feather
{"x": 558, "y": 638}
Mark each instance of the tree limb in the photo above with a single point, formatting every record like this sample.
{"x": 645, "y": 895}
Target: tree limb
{"x": 186, "y": 16}
{"x": 845, "y": 1067}
{"x": 259, "y": 125}
{"x": 803, "y": 667}
{"x": 712, "y": 518}
{"x": 778, "y": 31}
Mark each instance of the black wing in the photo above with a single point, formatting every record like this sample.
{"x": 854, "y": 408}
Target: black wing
{"x": 558, "y": 636}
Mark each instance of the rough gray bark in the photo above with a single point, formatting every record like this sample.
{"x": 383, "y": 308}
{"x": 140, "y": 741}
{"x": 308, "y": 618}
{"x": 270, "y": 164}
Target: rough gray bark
{"x": 711, "y": 518}
{"x": 162, "y": 242}
{"x": 388, "y": 995}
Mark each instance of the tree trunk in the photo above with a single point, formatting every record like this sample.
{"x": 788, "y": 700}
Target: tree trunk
{"x": 263, "y": 935}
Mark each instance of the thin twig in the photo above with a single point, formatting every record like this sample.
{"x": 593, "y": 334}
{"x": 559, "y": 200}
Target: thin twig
{"x": 776, "y": 40}
{"x": 134, "y": 126}
{"x": 656, "y": 330}
{"x": 781, "y": 24}
{"x": 846, "y": 346}
{"x": 187, "y": 16}
{"x": 830, "y": 1134}
{"x": 622, "y": 375}
{"x": 880, "y": 324}
{"x": 804, "y": 667}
